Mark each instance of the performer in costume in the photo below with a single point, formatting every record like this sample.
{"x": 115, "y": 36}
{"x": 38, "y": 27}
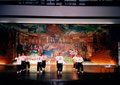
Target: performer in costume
{"x": 60, "y": 61}
{"x": 23, "y": 62}
{"x": 19, "y": 62}
{"x": 80, "y": 63}
{"x": 44, "y": 58}
{"x": 27, "y": 62}
{"x": 75, "y": 65}
{"x": 39, "y": 63}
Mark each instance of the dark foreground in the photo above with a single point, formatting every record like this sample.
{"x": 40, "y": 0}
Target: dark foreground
{"x": 8, "y": 76}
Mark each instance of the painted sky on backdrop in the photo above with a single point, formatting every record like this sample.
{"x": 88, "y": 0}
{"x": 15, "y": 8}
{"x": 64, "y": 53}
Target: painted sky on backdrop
{"x": 41, "y": 28}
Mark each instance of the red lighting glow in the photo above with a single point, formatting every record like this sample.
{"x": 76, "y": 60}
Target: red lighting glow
{"x": 2, "y": 62}
{"x": 103, "y": 57}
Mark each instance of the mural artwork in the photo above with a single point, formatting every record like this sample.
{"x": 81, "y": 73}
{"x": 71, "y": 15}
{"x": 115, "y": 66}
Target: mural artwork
{"x": 90, "y": 41}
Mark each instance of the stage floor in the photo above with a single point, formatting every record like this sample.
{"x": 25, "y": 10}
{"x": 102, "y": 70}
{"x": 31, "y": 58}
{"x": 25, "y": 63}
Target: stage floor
{"x": 51, "y": 72}
{"x": 93, "y": 75}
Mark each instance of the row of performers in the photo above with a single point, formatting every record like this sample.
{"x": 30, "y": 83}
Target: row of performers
{"x": 23, "y": 63}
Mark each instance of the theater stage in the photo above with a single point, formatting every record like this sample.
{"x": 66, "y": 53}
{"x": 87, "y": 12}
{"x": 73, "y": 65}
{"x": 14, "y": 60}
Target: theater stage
{"x": 93, "y": 75}
{"x": 50, "y": 76}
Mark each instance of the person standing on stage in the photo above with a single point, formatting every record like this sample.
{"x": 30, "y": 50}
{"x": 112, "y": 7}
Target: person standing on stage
{"x": 39, "y": 63}
{"x": 44, "y": 58}
{"x": 60, "y": 61}
{"x": 19, "y": 62}
{"x": 80, "y": 63}
{"x": 57, "y": 58}
{"x": 75, "y": 65}
{"x": 23, "y": 62}
{"x": 27, "y": 62}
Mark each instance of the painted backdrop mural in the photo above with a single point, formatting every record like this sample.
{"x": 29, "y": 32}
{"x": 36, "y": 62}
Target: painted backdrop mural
{"x": 91, "y": 41}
